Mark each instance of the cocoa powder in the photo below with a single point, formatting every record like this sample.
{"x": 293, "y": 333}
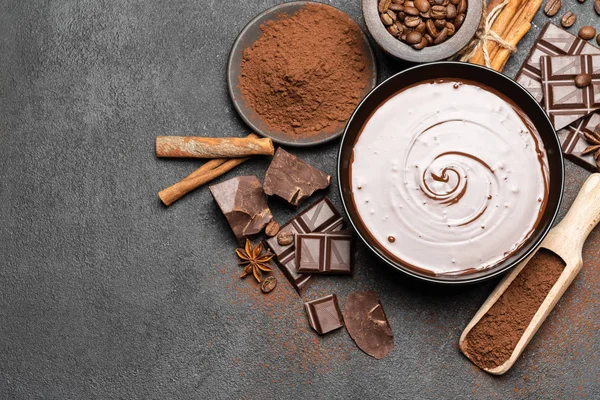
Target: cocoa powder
{"x": 491, "y": 342}
{"x": 307, "y": 72}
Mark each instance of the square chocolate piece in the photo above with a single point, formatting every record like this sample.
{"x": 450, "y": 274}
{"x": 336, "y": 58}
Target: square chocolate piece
{"x": 319, "y": 217}
{"x": 244, "y": 204}
{"x": 573, "y": 141}
{"x": 324, "y": 314}
{"x": 564, "y": 102}
{"x": 293, "y": 180}
{"x": 324, "y": 253}
{"x": 552, "y": 41}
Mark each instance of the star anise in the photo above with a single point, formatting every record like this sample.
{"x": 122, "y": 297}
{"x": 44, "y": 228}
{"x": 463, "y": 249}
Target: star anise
{"x": 594, "y": 140}
{"x": 254, "y": 260}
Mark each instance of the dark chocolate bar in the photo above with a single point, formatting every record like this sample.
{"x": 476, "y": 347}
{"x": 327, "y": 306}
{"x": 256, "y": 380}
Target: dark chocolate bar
{"x": 564, "y": 102}
{"x": 324, "y": 314}
{"x": 552, "y": 41}
{"x": 324, "y": 253}
{"x": 292, "y": 179}
{"x": 573, "y": 141}
{"x": 319, "y": 217}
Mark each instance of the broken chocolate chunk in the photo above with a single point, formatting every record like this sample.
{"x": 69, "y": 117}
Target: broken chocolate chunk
{"x": 244, "y": 204}
{"x": 324, "y": 314}
{"x": 292, "y": 179}
{"x": 367, "y": 324}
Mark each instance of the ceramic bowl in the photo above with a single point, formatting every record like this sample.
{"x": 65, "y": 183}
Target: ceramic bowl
{"x": 395, "y": 48}
{"x": 462, "y": 71}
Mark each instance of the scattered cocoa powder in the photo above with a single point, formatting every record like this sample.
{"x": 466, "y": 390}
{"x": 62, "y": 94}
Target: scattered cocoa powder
{"x": 307, "y": 72}
{"x": 491, "y": 342}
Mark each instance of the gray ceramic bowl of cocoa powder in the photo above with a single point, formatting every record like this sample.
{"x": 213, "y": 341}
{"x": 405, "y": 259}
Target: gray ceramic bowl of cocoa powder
{"x": 245, "y": 39}
{"x": 402, "y": 51}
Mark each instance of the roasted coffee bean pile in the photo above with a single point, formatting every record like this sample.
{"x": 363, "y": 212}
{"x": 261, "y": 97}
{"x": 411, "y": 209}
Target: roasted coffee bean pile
{"x": 422, "y": 23}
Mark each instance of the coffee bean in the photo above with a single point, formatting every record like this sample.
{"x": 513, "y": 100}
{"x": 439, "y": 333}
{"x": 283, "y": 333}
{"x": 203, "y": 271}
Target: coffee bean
{"x": 587, "y": 32}
{"x": 583, "y": 80}
{"x": 285, "y": 238}
{"x": 392, "y": 15}
{"x": 568, "y": 20}
{"x": 462, "y": 7}
{"x": 451, "y": 29}
{"x": 451, "y": 11}
{"x": 581, "y": 1}
{"x": 411, "y": 11}
{"x": 396, "y": 7}
{"x": 455, "y": 2}
{"x": 438, "y": 2}
{"x": 268, "y": 284}
{"x": 426, "y": 15}
{"x": 552, "y": 7}
{"x": 400, "y": 27}
{"x": 440, "y": 23}
{"x": 386, "y": 19}
{"x": 421, "y": 45}
{"x": 438, "y": 12}
{"x": 422, "y": 5}
{"x": 458, "y": 21}
{"x": 420, "y": 28}
{"x": 272, "y": 228}
{"x": 409, "y": 4}
{"x": 429, "y": 39}
{"x": 383, "y": 5}
{"x": 412, "y": 21}
{"x": 431, "y": 29}
{"x": 597, "y": 6}
{"x": 414, "y": 38}
{"x": 393, "y": 30}
{"x": 397, "y": 1}
{"x": 401, "y": 16}
{"x": 441, "y": 38}
{"x": 598, "y": 40}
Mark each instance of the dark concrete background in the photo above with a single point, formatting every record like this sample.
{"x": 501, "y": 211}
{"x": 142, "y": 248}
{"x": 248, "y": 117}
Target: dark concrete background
{"x": 104, "y": 293}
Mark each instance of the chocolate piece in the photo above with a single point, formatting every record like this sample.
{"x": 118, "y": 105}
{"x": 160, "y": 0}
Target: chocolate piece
{"x": 292, "y": 179}
{"x": 573, "y": 141}
{"x": 319, "y": 217}
{"x": 324, "y": 253}
{"x": 244, "y": 204}
{"x": 563, "y": 100}
{"x": 552, "y": 41}
{"x": 367, "y": 324}
{"x": 324, "y": 314}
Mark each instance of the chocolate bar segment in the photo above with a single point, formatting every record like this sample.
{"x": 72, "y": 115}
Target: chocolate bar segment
{"x": 244, "y": 204}
{"x": 573, "y": 141}
{"x": 564, "y": 102}
{"x": 552, "y": 41}
{"x": 319, "y": 217}
{"x": 324, "y": 253}
{"x": 324, "y": 314}
{"x": 292, "y": 179}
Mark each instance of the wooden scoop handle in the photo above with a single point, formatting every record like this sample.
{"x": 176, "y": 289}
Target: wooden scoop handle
{"x": 584, "y": 214}
{"x": 566, "y": 240}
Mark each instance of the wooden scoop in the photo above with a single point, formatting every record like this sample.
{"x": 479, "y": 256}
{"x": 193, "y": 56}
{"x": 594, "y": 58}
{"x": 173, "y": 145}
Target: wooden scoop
{"x": 565, "y": 240}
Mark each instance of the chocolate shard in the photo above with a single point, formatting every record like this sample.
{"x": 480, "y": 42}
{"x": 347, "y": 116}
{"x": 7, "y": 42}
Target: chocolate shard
{"x": 324, "y": 314}
{"x": 292, "y": 179}
{"x": 573, "y": 141}
{"x": 324, "y": 253}
{"x": 244, "y": 204}
{"x": 367, "y": 324}
{"x": 552, "y": 41}
{"x": 564, "y": 102}
{"x": 319, "y": 217}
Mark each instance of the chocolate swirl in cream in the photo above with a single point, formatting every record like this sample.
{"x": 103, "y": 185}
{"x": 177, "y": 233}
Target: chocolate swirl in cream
{"x": 449, "y": 178}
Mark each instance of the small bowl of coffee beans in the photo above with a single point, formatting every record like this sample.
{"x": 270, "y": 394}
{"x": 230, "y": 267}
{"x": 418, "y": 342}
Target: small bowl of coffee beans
{"x": 422, "y": 30}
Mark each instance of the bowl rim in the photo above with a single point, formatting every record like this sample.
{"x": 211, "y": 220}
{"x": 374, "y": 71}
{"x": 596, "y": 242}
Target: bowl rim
{"x": 531, "y": 247}
{"x": 238, "y": 101}
{"x": 402, "y": 51}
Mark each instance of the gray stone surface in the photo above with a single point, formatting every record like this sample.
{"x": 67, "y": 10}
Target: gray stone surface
{"x": 104, "y": 293}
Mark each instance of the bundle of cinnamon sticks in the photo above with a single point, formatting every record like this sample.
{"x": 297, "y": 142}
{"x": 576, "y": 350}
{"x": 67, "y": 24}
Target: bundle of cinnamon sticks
{"x": 226, "y": 154}
{"x": 513, "y": 22}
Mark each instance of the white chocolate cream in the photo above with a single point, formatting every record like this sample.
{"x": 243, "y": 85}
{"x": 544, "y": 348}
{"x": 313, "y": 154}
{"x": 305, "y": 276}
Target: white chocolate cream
{"x": 449, "y": 177}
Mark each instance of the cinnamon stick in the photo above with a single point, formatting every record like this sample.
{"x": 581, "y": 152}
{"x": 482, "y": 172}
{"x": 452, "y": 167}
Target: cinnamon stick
{"x": 198, "y": 178}
{"x": 201, "y": 147}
